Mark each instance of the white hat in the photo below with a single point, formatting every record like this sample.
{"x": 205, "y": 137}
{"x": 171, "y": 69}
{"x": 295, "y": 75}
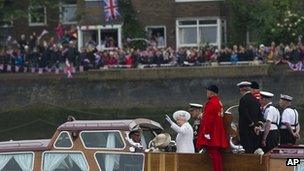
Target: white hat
{"x": 162, "y": 140}
{"x": 195, "y": 105}
{"x": 181, "y": 113}
{"x": 244, "y": 84}
{"x": 135, "y": 128}
{"x": 266, "y": 94}
{"x": 286, "y": 97}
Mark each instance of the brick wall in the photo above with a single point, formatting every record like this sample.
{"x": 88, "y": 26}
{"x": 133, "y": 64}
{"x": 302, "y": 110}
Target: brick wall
{"x": 149, "y": 12}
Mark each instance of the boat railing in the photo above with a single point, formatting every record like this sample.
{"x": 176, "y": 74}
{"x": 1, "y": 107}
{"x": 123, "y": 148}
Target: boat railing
{"x": 25, "y": 143}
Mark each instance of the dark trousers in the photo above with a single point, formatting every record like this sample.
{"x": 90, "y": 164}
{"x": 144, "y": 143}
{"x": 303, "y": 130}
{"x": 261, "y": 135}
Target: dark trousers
{"x": 249, "y": 140}
{"x": 272, "y": 140}
{"x": 286, "y": 137}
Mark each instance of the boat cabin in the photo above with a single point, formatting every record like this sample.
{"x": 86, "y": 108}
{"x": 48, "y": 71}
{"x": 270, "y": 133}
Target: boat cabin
{"x": 81, "y": 146}
{"x": 104, "y": 145}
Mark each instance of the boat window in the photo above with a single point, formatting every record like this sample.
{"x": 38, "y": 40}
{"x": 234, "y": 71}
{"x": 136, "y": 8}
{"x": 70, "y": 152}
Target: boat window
{"x": 102, "y": 139}
{"x": 64, "y": 141}
{"x": 60, "y": 161}
{"x": 148, "y": 136}
{"x": 120, "y": 161}
{"x": 300, "y": 166}
{"x": 17, "y": 161}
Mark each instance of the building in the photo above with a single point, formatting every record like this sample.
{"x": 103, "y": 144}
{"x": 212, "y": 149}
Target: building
{"x": 175, "y": 23}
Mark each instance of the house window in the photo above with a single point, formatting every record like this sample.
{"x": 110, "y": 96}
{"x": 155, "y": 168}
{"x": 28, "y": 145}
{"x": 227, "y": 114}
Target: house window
{"x": 68, "y": 11}
{"x": 208, "y": 34}
{"x": 17, "y": 161}
{"x": 102, "y": 139}
{"x": 64, "y": 161}
{"x": 193, "y": 33}
{"x": 90, "y": 37}
{"x": 37, "y": 16}
{"x": 63, "y": 141}
{"x": 109, "y": 38}
{"x": 157, "y": 34}
{"x": 120, "y": 161}
{"x": 188, "y": 36}
{"x": 105, "y": 37}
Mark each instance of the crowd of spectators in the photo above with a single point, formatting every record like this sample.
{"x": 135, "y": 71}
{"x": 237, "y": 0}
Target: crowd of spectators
{"x": 31, "y": 54}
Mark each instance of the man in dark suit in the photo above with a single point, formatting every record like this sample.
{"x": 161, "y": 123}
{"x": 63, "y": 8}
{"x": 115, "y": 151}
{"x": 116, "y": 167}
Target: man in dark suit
{"x": 249, "y": 117}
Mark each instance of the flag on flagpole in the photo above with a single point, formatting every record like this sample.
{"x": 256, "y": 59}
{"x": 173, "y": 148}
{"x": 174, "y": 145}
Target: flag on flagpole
{"x": 111, "y": 9}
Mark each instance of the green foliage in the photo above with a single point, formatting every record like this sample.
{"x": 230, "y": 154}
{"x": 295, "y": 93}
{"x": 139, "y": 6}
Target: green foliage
{"x": 131, "y": 26}
{"x": 265, "y": 17}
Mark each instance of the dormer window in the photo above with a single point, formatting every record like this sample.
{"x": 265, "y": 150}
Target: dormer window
{"x": 63, "y": 141}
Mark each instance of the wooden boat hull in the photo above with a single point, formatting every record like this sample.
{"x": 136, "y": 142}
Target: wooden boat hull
{"x": 201, "y": 162}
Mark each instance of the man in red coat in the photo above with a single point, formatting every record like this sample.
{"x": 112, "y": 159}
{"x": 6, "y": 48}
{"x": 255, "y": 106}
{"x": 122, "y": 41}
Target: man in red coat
{"x": 211, "y": 134}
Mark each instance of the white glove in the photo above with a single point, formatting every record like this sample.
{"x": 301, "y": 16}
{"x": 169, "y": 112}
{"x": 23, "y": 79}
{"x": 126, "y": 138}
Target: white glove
{"x": 207, "y": 136}
{"x": 169, "y": 119}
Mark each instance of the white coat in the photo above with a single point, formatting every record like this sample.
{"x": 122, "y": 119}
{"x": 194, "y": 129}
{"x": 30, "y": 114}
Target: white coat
{"x": 184, "y": 138}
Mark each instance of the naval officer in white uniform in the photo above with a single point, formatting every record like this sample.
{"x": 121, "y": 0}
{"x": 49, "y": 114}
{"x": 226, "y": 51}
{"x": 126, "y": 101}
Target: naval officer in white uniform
{"x": 184, "y": 138}
{"x": 271, "y": 134}
{"x": 290, "y": 126}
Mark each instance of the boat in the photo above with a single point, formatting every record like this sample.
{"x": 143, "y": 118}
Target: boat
{"x": 103, "y": 145}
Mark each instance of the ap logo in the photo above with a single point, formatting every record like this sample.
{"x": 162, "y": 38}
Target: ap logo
{"x": 292, "y": 162}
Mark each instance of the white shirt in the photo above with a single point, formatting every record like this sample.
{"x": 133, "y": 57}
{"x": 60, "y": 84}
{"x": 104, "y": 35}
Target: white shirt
{"x": 184, "y": 138}
{"x": 272, "y": 115}
{"x": 289, "y": 116}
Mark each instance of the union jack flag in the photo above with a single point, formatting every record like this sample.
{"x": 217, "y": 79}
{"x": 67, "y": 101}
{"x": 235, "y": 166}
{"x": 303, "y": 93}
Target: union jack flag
{"x": 111, "y": 9}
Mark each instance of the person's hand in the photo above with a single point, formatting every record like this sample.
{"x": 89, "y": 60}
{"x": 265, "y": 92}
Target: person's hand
{"x": 207, "y": 136}
{"x": 200, "y": 116}
{"x": 296, "y": 135}
{"x": 168, "y": 119}
{"x": 263, "y": 143}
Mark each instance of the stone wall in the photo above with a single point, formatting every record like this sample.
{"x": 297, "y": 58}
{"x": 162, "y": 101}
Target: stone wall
{"x": 148, "y": 88}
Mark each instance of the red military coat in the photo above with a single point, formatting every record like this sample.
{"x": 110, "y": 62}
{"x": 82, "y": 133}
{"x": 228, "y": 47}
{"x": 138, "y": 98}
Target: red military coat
{"x": 212, "y": 123}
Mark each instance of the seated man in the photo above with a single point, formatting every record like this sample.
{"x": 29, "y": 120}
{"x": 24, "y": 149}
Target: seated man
{"x": 135, "y": 138}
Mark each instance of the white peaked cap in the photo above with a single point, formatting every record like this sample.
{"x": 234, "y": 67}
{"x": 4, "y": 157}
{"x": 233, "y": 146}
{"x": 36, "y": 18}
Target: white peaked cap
{"x": 286, "y": 97}
{"x": 195, "y": 105}
{"x": 181, "y": 113}
{"x": 266, "y": 94}
{"x": 243, "y": 84}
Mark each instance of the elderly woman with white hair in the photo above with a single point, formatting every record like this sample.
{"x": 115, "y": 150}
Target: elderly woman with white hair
{"x": 184, "y": 138}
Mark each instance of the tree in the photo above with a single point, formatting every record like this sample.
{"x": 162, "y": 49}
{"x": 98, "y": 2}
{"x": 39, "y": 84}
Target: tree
{"x": 265, "y": 17}
{"x": 131, "y": 26}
